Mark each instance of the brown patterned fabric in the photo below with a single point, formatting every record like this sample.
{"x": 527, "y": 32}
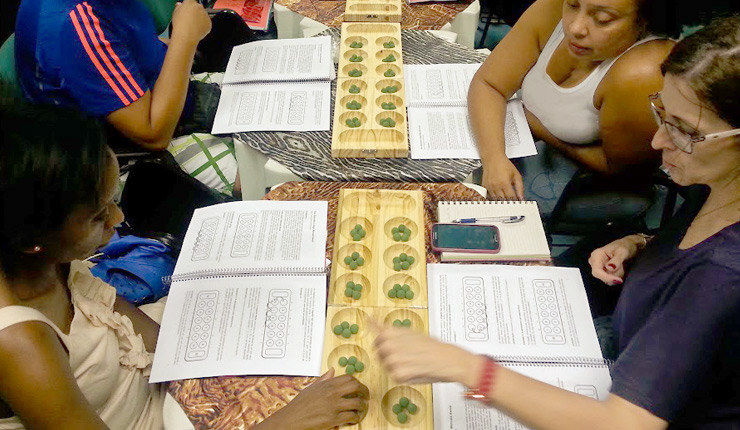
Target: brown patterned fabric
{"x": 420, "y": 16}
{"x": 241, "y": 402}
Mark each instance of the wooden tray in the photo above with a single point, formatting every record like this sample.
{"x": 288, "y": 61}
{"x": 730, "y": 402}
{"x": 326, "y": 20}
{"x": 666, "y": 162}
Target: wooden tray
{"x": 384, "y": 392}
{"x": 371, "y": 139}
{"x": 373, "y": 10}
{"x": 378, "y": 212}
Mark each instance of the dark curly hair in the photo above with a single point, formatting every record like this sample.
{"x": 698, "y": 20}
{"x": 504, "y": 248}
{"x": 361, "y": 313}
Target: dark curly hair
{"x": 710, "y": 61}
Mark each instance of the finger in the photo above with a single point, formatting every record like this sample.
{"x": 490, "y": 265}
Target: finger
{"x": 354, "y": 404}
{"x": 347, "y": 418}
{"x": 509, "y": 192}
{"x": 519, "y": 187}
{"x": 326, "y": 376}
{"x": 375, "y": 326}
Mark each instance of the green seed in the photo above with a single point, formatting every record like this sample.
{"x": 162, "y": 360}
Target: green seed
{"x": 397, "y": 408}
{"x": 405, "y": 265}
{"x": 352, "y": 360}
{"x": 355, "y": 73}
{"x": 355, "y": 255}
{"x": 356, "y": 295}
{"x": 354, "y": 89}
{"x": 346, "y": 333}
{"x": 347, "y": 260}
{"x": 358, "y": 287}
{"x": 354, "y": 328}
{"x": 392, "y": 294}
{"x": 363, "y": 233}
{"x": 409, "y": 295}
{"x": 389, "y": 59}
{"x": 354, "y": 105}
{"x": 356, "y": 237}
{"x": 350, "y": 369}
{"x": 348, "y": 292}
{"x": 337, "y": 329}
{"x": 397, "y": 267}
{"x": 403, "y": 401}
{"x": 394, "y": 230}
{"x": 403, "y": 256}
{"x": 396, "y": 260}
{"x": 397, "y": 287}
{"x": 389, "y": 73}
{"x": 401, "y": 294}
{"x": 358, "y": 227}
{"x": 360, "y": 366}
{"x": 389, "y": 45}
{"x": 402, "y": 228}
{"x": 360, "y": 261}
{"x": 402, "y": 417}
{"x": 405, "y": 238}
{"x": 345, "y": 324}
{"x": 355, "y": 58}
{"x": 397, "y": 237}
{"x": 350, "y": 284}
{"x": 412, "y": 408}
{"x": 406, "y": 287}
{"x": 410, "y": 259}
{"x": 406, "y": 322}
{"x": 396, "y": 323}
{"x": 342, "y": 361}
{"x": 353, "y": 265}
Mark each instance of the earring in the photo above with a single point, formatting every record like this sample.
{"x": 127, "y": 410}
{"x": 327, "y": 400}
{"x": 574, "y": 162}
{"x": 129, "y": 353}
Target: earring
{"x": 37, "y": 248}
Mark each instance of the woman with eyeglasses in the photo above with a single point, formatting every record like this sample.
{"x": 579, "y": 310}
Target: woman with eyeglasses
{"x": 677, "y": 323}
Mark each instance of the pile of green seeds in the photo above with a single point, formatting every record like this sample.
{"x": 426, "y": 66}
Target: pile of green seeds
{"x": 351, "y": 364}
{"x": 404, "y": 404}
{"x": 388, "y": 105}
{"x": 353, "y": 122}
{"x": 357, "y": 233}
{"x": 401, "y": 292}
{"x": 345, "y": 329}
{"x": 401, "y": 234}
{"x": 355, "y": 73}
{"x": 389, "y": 45}
{"x": 354, "y": 89}
{"x": 402, "y": 262}
{"x": 389, "y": 73}
{"x": 354, "y": 105}
{"x": 355, "y": 45}
{"x": 353, "y": 290}
{"x": 397, "y": 323}
{"x": 354, "y": 261}
{"x": 387, "y": 122}
{"x": 355, "y": 58}
{"x": 389, "y": 89}
{"x": 389, "y": 59}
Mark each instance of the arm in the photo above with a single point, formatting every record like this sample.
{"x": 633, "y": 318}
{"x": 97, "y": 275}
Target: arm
{"x": 626, "y": 123}
{"x": 499, "y": 77}
{"x": 143, "y": 325}
{"x": 37, "y": 382}
{"x": 151, "y": 120}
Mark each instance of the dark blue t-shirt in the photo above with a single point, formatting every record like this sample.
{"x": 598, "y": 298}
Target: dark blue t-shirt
{"x": 678, "y": 328}
{"x": 95, "y": 55}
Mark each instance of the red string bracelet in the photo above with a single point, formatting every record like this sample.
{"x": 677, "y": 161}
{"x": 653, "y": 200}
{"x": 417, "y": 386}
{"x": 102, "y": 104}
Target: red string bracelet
{"x": 482, "y": 391}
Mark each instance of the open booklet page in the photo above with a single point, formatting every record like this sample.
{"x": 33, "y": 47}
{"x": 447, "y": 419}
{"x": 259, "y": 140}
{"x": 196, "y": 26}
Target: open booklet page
{"x": 513, "y": 313}
{"x": 453, "y": 412}
{"x": 260, "y": 236}
{"x": 290, "y": 106}
{"x": 281, "y": 60}
{"x": 256, "y": 325}
{"x": 438, "y": 84}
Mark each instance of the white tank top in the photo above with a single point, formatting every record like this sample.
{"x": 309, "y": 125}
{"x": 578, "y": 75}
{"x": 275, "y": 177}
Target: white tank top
{"x": 568, "y": 113}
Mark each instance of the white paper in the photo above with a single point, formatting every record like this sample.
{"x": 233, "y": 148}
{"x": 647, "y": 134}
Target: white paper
{"x": 453, "y": 412}
{"x": 444, "y": 132}
{"x": 259, "y": 325}
{"x": 255, "y": 236}
{"x": 281, "y": 60}
{"x": 292, "y": 106}
{"x": 438, "y": 84}
{"x": 512, "y": 312}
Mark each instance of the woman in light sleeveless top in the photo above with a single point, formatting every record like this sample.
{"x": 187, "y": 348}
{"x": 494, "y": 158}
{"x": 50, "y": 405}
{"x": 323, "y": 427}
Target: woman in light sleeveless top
{"x": 585, "y": 68}
{"x": 73, "y": 355}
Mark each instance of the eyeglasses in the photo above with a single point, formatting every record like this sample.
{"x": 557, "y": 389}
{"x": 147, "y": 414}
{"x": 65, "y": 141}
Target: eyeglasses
{"x": 680, "y": 138}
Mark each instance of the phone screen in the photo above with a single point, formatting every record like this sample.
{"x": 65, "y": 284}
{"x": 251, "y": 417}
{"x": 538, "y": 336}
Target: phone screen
{"x": 462, "y": 236}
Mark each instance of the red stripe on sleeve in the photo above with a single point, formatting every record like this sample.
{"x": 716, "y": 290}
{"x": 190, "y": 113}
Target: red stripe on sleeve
{"x": 112, "y": 53}
{"x": 102, "y": 54}
{"x": 95, "y": 61}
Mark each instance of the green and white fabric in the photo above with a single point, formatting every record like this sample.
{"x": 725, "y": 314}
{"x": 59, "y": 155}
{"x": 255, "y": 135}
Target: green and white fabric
{"x": 207, "y": 158}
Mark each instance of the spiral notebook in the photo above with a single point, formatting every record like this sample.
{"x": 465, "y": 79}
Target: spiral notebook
{"x": 277, "y": 85}
{"x": 534, "y": 320}
{"x": 248, "y": 294}
{"x": 521, "y": 241}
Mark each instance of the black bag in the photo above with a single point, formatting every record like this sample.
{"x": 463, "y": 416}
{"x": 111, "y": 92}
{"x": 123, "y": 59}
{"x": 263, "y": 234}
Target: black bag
{"x": 228, "y": 29}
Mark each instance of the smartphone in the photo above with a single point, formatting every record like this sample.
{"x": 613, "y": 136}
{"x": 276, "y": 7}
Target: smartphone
{"x": 477, "y": 238}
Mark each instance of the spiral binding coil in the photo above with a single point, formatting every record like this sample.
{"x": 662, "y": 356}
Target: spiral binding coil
{"x": 239, "y": 273}
{"x": 529, "y": 360}
{"x": 484, "y": 202}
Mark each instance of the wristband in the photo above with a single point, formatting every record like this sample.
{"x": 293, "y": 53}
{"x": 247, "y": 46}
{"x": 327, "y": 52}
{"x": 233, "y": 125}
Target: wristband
{"x": 481, "y": 392}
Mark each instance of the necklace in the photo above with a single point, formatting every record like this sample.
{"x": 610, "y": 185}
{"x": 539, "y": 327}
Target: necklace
{"x": 716, "y": 209}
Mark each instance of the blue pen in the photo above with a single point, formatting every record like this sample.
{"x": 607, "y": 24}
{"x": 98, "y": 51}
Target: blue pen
{"x": 504, "y": 219}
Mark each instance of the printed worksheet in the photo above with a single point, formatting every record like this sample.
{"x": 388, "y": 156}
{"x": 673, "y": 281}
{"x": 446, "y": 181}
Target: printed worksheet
{"x": 532, "y": 313}
{"x": 262, "y": 236}
{"x": 250, "y": 325}
{"x": 438, "y": 84}
{"x": 294, "y": 106}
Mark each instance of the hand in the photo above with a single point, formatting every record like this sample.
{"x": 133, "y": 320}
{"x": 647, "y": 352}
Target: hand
{"x": 502, "y": 180}
{"x": 411, "y": 357}
{"x": 327, "y": 403}
{"x": 607, "y": 262}
{"x": 190, "y": 21}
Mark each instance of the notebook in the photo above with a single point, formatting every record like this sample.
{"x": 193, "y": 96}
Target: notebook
{"x": 521, "y": 241}
{"x": 248, "y": 293}
{"x": 534, "y": 320}
{"x": 277, "y": 85}
{"x": 437, "y": 106}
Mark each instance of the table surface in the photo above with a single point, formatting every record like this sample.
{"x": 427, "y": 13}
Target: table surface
{"x": 308, "y": 154}
{"x": 241, "y": 402}
{"x": 419, "y": 16}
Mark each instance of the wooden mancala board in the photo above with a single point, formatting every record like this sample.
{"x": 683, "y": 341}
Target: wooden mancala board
{"x": 370, "y": 107}
{"x": 373, "y": 10}
{"x": 378, "y": 213}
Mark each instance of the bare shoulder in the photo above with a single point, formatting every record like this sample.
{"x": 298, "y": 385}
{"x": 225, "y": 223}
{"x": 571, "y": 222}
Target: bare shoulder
{"x": 639, "y": 65}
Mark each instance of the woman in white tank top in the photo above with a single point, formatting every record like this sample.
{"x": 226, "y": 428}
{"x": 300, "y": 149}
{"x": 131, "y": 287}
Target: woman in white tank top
{"x": 586, "y": 70}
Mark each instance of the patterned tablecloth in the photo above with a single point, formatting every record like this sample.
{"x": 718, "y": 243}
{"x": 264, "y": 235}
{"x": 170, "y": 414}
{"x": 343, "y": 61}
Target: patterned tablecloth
{"x": 237, "y": 403}
{"x": 308, "y": 154}
{"x": 420, "y": 16}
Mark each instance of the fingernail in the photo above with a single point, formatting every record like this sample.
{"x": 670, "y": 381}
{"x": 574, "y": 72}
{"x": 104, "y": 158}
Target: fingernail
{"x": 617, "y": 282}
{"x": 611, "y": 266}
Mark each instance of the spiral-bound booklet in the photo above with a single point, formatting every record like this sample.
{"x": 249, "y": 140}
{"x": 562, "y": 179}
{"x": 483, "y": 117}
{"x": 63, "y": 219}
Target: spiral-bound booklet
{"x": 534, "y": 320}
{"x": 524, "y": 240}
{"x": 248, "y": 294}
{"x": 277, "y": 85}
